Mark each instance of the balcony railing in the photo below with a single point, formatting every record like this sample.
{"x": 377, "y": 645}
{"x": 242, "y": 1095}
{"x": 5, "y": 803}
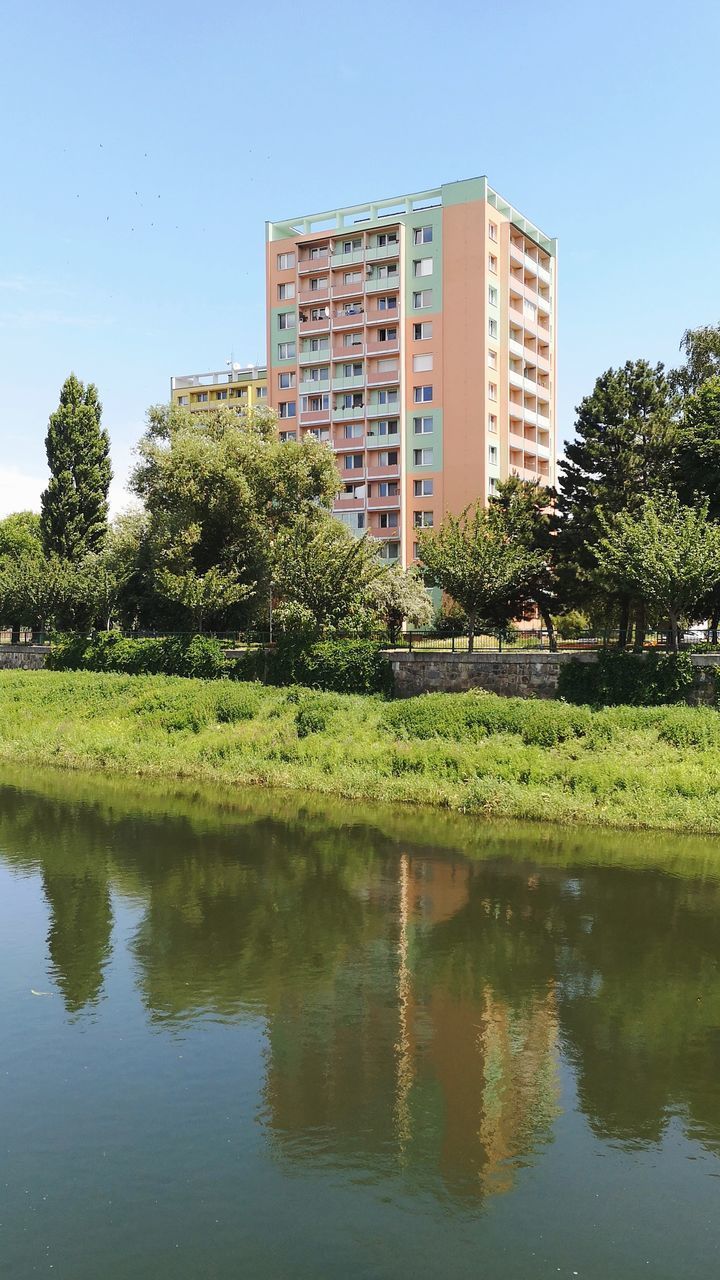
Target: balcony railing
{"x": 306, "y": 265}
{"x": 380, "y": 377}
{"x": 348, "y": 383}
{"x": 389, "y": 441}
{"x": 353, "y": 413}
{"x": 311, "y": 297}
{"x": 313, "y": 417}
{"x": 314, "y": 357}
{"x": 314, "y": 386}
{"x": 353, "y": 290}
{"x": 354, "y": 321}
{"x": 375, "y": 285}
{"x": 380, "y": 251}
{"x": 383, "y": 348}
{"x": 314, "y": 326}
{"x": 340, "y": 259}
{"x": 383, "y": 410}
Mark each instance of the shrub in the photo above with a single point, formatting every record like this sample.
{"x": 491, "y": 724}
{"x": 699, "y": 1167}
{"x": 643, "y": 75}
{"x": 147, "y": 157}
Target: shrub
{"x": 572, "y": 624}
{"x": 631, "y": 679}
{"x": 469, "y": 717}
{"x": 198, "y": 656}
{"x": 342, "y": 666}
{"x": 312, "y": 717}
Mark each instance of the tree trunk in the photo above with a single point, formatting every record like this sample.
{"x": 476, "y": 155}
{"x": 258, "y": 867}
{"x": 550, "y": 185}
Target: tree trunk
{"x": 673, "y": 644}
{"x": 471, "y": 632}
{"x": 546, "y": 616}
{"x": 640, "y": 627}
{"x": 715, "y": 618}
{"x": 15, "y": 633}
{"x": 624, "y": 623}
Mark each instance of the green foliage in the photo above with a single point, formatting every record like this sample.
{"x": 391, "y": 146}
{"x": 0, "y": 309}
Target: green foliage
{"x": 212, "y": 593}
{"x": 398, "y": 596}
{"x": 470, "y": 717}
{"x": 481, "y": 565}
{"x": 698, "y": 454}
{"x": 450, "y": 620}
{"x": 74, "y": 507}
{"x": 701, "y": 348}
{"x": 318, "y": 566}
{"x": 346, "y": 666}
{"x": 198, "y": 656}
{"x": 630, "y": 679}
{"x": 572, "y": 624}
{"x": 20, "y": 535}
{"x": 666, "y": 555}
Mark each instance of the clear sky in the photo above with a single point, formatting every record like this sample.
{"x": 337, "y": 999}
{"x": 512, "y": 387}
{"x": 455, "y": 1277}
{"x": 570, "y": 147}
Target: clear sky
{"x": 146, "y": 143}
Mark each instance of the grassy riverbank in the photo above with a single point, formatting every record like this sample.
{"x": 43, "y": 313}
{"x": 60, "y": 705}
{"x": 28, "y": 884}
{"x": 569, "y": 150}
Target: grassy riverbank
{"x": 622, "y": 767}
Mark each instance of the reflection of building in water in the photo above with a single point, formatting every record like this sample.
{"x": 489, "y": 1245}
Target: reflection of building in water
{"x": 414, "y": 1059}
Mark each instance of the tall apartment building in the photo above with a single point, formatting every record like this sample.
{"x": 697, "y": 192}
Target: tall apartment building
{"x": 234, "y": 387}
{"x": 416, "y": 336}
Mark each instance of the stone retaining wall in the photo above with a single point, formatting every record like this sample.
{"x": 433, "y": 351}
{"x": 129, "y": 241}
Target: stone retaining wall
{"x": 23, "y": 657}
{"x": 529, "y": 674}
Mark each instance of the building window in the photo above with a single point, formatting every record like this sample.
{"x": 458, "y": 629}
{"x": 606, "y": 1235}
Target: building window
{"x": 492, "y": 359}
{"x": 287, "y": 435}
{"x": 422, "y": 395}
{"x": 261, "y": 393}
{"x": 286, "y": 350}
{"x": 285, "y": 261}
{"x": 352, "y": 430}
{"x": 388, "y": 520}
{"x": 492, "y": 391}
{"x": 318, "y": 344}
{"x": 387, "y": 335}
{"x": 351, "y": 277}
{"x": 422, "y": 364}
{"x": 183, "y": 399}
{"x": 492, "y": 295}
{"x": 388, "y": 489}
{"x": 388, "y": 458}
{"x": 386, "y": 396}
{"x": 318, "y": 251}
{"x": 388, "y": 302}
{"x": 387, "y": 427}
{"x": 203, "y": 396}
{"x": 385, "y": 272}
{"x": 492, "y": 455}
{"x": 350, "y": 246}
{"x": 317, "y": 283}
{"x": 422, "y": 330}
{"x": 286, "y": 291}
{"x": 385, "y": 238}
{"x": 423, "y": 267}
{"x": 388, "y": 365}
{"x": 354, "y": 462}
{"x": 492, "y": 328}
{"x": 423, "y": 488}
{"x": 422, "y": 235}
{"x": 423, "y": 298}
{"x": 352, "y": 400}
{"x": 286, "y": 320}
{"x": 352, "y": 339}
{"x": 353, "y": 370}
{"x": 422, "y": 457}
{"x": 492, "y": 230}
{"x": 492, "y": 263}
{"x": 316, "y": 313}
{"x": 423, "y": 519}
{"x": 492, "y": 484}
{"x": 492, "y": 422}
{"x": 422, "y": 426}
{"x": 221, "y": 395}
{"x": 286, "y": 380}
{"x": 286, "y": 409}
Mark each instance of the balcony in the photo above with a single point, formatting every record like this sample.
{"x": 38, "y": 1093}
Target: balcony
{"x": 389, "y": 472}
{"x": 393, "y": 532}
{"x": 389, "y": 441}
{"x": 352, "y": 414}
{"x": 349, "y": 383}
{"x": 314, "y": 357}
{"x": 314, "y": 386}
{"x": 515, "y": 316}
{"x": 516, "y": 253}
{"x": 380, "y": 251}
{"x": 515, "y": 348}
{"x": 381, "y": 377}
{"x": 340, "y": 259}
{"x": 383, "y": 410}
{"x": 389, "y": 503}
{"x": 348, "y": 504}
{"x": 390, "y": 348}
{"x": 515, "y": 379}
{"x": 312, "y": 297}
{"x": 383, "y": 284}
{"x": 314, "y": 326}
{"x": 354, "y": 445}
{"x": 354, "y": 321}
{"x": 315, "y": 417}
{"x": 354, "y": 290}
{"x": 356, "y": 474}
{"x": 543, "y": 274}
{"x": 307, "y": 265}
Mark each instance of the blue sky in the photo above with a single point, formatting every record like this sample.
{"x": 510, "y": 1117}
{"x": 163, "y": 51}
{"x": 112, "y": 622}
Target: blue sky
{"x": 146, "y": 143}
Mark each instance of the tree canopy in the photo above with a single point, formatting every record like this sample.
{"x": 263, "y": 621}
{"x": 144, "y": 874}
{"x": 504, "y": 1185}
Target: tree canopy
{"x": 74, "y": 507}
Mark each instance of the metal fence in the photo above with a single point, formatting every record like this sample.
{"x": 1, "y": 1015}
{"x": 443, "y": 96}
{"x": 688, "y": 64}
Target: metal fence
{"x": 529, "y": 639}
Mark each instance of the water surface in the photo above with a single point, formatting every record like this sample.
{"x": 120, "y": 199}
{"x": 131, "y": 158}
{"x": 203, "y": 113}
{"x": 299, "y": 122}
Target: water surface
{"x": 273, "y": 1038}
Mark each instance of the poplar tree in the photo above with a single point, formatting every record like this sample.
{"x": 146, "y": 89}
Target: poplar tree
{"x": 74, "y": 507}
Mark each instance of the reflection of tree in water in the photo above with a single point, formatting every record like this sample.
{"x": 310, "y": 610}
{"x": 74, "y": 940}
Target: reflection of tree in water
{"x": 414, "y": 1001}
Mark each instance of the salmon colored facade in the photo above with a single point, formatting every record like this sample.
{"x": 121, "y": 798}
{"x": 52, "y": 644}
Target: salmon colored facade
{"x": 417, "y": 336}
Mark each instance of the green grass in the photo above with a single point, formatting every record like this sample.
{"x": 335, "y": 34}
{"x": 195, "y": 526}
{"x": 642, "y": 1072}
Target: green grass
{"x": 475, "y": 753}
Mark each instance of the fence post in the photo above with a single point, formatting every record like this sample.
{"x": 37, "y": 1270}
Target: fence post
{"x": 499, "y": 641}
{"x": 410, "y": 636}
{"x": 452, "y": 642}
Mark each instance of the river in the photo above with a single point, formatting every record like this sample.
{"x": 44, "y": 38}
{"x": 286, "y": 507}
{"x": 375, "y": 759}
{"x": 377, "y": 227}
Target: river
{"x": 263, "y": 1036}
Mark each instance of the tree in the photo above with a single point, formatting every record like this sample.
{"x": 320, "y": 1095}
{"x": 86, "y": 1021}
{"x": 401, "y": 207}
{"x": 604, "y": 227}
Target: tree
{"x": 400, "y": 595}
{"x": 37, "y": 592}
{"x": 202, "y": 594}
{"x": 483, "y": 568}
{"x": 698, "y": 451}
{"x": 20, "y": 535}
{"x": 622, "y": 452}
{"x": 701, "y": 348}
{"x": 74, "y": 507}
{"x": 217, "y": 489}
{"x": 523, "y": 509}
{"x": 667, "y": 554}
{"x": 318, "y": 565}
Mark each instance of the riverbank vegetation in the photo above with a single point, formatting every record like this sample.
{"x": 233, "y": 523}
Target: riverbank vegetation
{"x": 233, "y": 529}
{"x": 629, "y": 767}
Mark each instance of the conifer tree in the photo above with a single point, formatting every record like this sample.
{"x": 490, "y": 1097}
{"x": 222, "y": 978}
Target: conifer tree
{"x": 74, "y": 507}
